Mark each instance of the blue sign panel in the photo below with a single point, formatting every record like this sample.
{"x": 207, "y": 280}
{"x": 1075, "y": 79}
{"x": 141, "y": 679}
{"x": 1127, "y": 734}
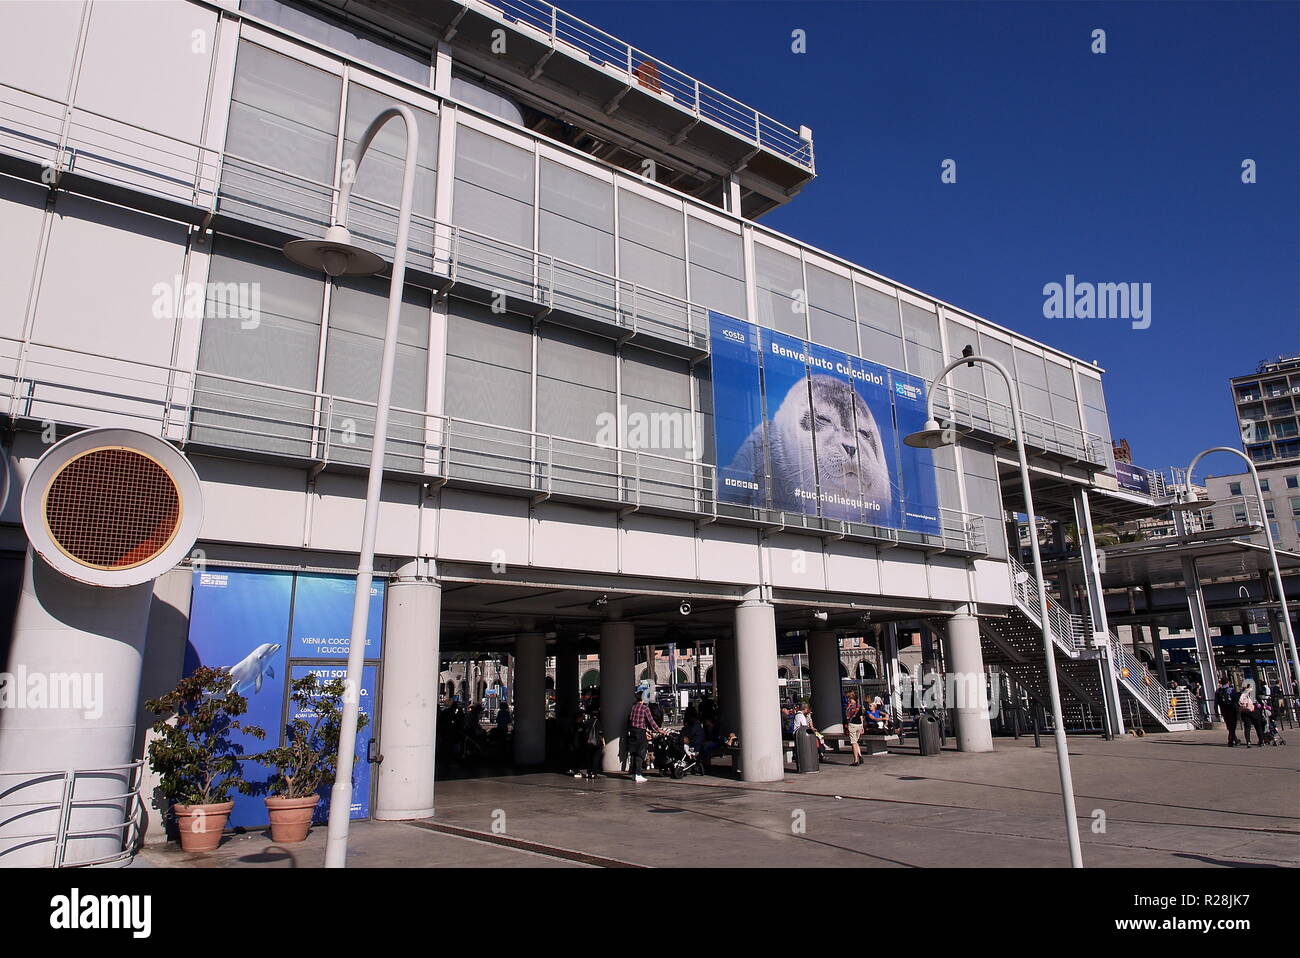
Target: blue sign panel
{"x": 738, "y": 412}
{"x": 1133, "y": 478}
{"x": 920, "y": 495}
{"x": 322, "y": 616}
{"x": 239, "y": 620}
{"x": 361, "y": 768}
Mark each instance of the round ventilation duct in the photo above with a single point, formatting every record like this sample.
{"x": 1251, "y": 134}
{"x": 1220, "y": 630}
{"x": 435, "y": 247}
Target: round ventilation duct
{"x": 112, "y": 507}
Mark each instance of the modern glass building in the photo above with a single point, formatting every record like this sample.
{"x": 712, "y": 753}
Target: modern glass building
{"x": 616, "y": 390}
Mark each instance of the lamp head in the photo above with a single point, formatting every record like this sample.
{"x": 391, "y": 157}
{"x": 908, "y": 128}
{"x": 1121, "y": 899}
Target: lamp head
{"x": 336, "y": 254}
{"x": 932, "y": 435}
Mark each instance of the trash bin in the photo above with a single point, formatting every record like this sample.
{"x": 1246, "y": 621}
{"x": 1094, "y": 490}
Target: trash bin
{"x": 927, "y": 733}
{"x": 805, "y": 750}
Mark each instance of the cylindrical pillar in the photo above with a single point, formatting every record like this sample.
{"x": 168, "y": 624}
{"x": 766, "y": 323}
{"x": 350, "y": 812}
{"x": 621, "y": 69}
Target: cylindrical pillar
{"x": 617, "y": 684}
{"x": 74, "y": 681}
{"x": 530, "y": 698}
{"x": 761, "y": 759}
{"x": 409, "y": 696}
{"x": 724, "y": 667}
{"x": 969, "y": 683}
{"x": 824, "y": 668}
{"x": 566, "y": 677}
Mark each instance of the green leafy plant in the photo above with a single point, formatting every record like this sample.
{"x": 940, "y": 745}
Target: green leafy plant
{"x": 309, "y": 756}
{"x": 193, "y": 753}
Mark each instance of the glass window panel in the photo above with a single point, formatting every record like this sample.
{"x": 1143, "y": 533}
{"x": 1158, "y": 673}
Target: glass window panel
{"x": 781, "y": 296}
{"x": 717, "y": 268}
{"x": 280, "y": 142}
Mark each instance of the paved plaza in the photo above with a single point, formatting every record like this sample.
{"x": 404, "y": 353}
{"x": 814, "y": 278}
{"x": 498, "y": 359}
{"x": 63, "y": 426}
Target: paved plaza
{"x": 1173, "y": 800}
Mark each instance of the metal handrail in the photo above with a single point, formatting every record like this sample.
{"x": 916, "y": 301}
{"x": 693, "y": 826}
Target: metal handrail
{"x": 1175, "y": 707}
{"x": 82, "y": 388}
{"x": 655, "y": 76}
{"x": 1069, "y": 631}
{"x": 64, "y": 830}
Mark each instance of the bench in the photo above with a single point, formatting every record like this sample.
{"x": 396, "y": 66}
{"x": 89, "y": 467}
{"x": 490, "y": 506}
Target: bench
{"x": 871, "y": 743}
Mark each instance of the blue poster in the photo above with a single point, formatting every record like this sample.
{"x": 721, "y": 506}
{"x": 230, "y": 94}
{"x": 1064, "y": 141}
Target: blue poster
{"x": 792, "y": 463}
{"x": 737, "y": 412}
{"x": 322, "y": 616}
{"x": 882, "y": 489}
{"x": 361, "y": 768}
{"x": 239, "y": 619}
{"x": 920, "y": 494}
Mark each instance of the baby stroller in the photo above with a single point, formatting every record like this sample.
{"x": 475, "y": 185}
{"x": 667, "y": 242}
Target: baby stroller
{"x": 675, "y": 756}
{"x": 1272, "y": 733}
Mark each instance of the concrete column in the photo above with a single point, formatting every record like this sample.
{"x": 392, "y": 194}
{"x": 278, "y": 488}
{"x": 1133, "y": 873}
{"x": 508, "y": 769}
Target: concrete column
{"x": 824, "y": 669}
{"x": 408, "y": 704}
{"x": 617, "y": 685}
{"x": 566, "y": 677}
{"x": 891, "y": 663}
{"x": 728, "y": 676}
{"x": 761, "y": 757}
{"x": 84, "y": 645}
{"x": 966, "y": 666}
{"x": 529, "y": 675}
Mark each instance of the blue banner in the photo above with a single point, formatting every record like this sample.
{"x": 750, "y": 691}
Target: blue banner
{"x": 920, "y": 495}
{"x": 361, "y": 767}
{"x": 322, "y": 616}
{"x": 738, "y": 412}
{"x": 239, "y": 620}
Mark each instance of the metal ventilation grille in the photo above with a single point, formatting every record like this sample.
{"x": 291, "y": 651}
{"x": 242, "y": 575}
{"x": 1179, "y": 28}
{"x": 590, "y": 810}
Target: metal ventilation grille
{"x": 112, "y": 508}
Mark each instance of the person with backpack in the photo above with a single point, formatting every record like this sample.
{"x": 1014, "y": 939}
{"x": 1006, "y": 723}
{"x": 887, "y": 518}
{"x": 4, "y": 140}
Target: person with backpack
{"x": 1225, "y": 700}
{"x": 1252, "y": 716}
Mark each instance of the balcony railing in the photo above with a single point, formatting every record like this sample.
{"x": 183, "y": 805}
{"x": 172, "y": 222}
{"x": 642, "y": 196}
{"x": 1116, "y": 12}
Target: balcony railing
{"x": 648, "y": 73}
{"x": 209, "y": 183}
{"x": 989, "y": 416}
{"x": 45, "y": 383}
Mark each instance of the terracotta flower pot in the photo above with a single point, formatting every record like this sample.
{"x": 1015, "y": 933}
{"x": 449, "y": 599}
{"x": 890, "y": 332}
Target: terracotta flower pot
{"x": 290, "y": 817}
{"x": 200, "y": 826}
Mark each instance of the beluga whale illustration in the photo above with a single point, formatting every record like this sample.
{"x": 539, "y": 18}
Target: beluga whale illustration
{"x": 248, "y": 673}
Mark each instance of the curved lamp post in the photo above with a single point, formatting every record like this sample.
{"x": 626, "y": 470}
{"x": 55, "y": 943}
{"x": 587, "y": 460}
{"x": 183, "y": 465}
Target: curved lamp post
{"x": 1272, "y": 549}
{"x": 337, "y": 255}
{"x": 932, "y": 436}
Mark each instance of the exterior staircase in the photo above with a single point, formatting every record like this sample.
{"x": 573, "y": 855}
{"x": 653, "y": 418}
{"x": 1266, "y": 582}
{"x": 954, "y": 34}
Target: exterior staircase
{"x": 1014, "y": 644}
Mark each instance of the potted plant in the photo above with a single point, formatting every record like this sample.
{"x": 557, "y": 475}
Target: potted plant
{"x": 309, "y": 757}
{"x": 194, "y": 756}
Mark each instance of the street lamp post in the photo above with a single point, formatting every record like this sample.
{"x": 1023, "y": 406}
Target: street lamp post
{"x": 337, "y": 255}
{"x": 1272, "y": 550}
{"x": 931, "y": 436}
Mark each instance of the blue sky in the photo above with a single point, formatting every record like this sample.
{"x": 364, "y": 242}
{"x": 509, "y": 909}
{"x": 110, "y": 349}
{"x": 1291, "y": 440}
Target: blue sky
{"x": 1119, "y": 167}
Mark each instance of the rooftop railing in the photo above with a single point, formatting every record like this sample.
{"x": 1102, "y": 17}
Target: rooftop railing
{"x": 46, "y": 383}
{"x": 649, "y": 74}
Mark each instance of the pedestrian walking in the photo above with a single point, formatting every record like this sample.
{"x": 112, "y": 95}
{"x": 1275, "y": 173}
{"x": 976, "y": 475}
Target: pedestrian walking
{"x": 1225, "y": 700}
{"x": 640, "y": 725}
{"x": 853, "y": 722}
{"x": 590, "y": 742}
